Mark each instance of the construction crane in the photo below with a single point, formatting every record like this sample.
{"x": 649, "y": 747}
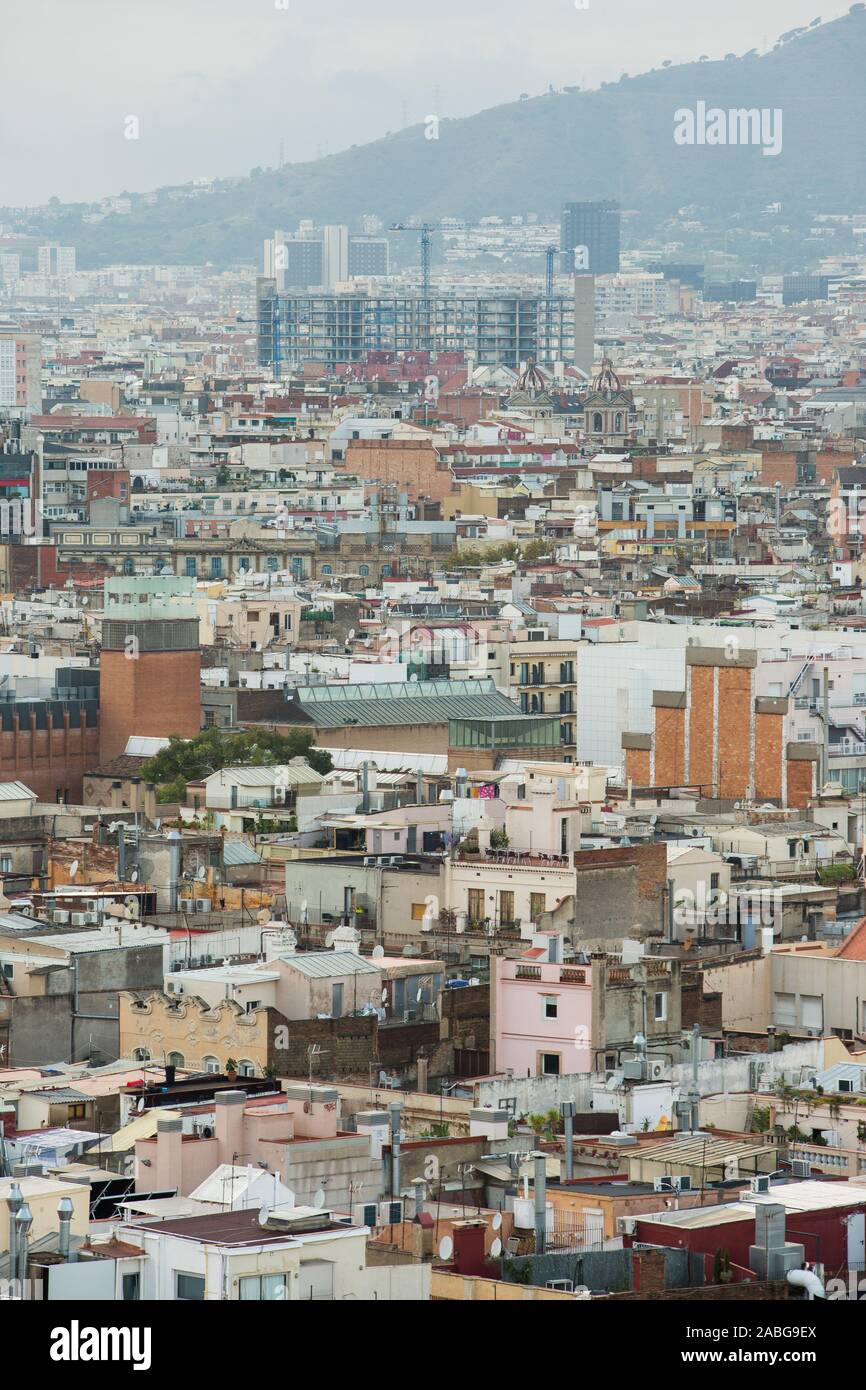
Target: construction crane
{"x": 551, "y": 254}
{"x": 426, "y": 229}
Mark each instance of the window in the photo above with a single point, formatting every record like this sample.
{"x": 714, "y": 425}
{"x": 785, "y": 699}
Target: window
{"x": 131, "y": 1287}
{"x": 141, "y": 1054}
{"x": 660, "y": 1008}
{"x": 418, "y": 911}
{"x": 272, "y": 563}
{"x": 246, "y": 1068}
{"x": 845, "y": 1084}
{"x": 550, "y": 1005}
{"x": 5, "y": 863}
{"x": 714, "y": 883}
{"x": 189, "y": 566}
{"x": 189, "y": 1287}
{"x": 536, "y": 905}
{"x": 550, "y": 1064}
{"x": 210, "y": 1064}
{"x": 476, "y": 904}
{"x": 327, "y": 569}
{"x": 260, "y": 1287}
{"x": 7, "y": 970}
{"x": 363, "y": 571}
{"x": 175, "y": 1059}
{"x": 506, "y": 906}
{"x": 216, "y": 567}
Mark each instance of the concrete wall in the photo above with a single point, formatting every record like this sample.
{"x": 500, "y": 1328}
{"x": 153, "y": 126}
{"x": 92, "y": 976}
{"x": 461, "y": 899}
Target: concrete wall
{"x": 43, "y": 1029}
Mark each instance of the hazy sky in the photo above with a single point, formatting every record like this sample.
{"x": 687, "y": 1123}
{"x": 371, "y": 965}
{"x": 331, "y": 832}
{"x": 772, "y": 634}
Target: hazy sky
{"x": 216, "y": 84}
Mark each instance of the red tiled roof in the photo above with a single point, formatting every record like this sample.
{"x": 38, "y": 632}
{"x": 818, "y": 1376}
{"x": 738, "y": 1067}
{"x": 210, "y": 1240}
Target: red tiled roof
{"x": 854, "y": 945}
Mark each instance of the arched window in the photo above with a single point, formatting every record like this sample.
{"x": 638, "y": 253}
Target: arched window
{"x": 363, "y": 571}
{"x": 175, "y": 1059}
{"x": 210, "y": 1064}
{"x": 246, "y": 1068}
{"x": 617, "y": 424}
{"x": 597, "y": 422}
{"x": 141, "y": 1054}
{"x": 327, "y": 569}
{"x": 128, "y": 566}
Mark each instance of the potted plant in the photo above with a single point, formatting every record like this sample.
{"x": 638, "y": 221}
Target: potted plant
{"x": 231, "y": 1069}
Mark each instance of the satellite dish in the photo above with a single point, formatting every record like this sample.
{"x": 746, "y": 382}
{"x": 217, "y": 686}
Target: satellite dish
{"x": 329, "y": 941}
{"x": 319, "y": 1199}
{"x": 496, "y": 1248}
{"x": 134, "y": 876}
{"x": 157, "y": 824}
{"x": 73, "y": 868}
{"x": 263, "y": 916}
{"x": 351, "y": 635}
{"x": 384, "y": 996}
{"x": 84, "y": 602}
{"x": 496, "y": 1223}
{"x": 202, "y": 873}
{"x": 264, "y": 1215}
{"x": 446, "y": 1248}
{"x": 378, "y": 952}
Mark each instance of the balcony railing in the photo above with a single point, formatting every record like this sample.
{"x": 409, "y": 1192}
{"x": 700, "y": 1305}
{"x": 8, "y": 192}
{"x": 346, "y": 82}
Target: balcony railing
{"x": 528, "y": 972}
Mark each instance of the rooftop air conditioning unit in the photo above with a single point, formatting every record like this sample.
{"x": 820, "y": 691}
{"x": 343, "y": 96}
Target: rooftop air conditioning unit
{"x": 60, "y": 916}
{"x": 187, "y": 904}
{"x": 682, "y": 1183}
{"x": 369, "y": 861}
{"x": 761, "y": 1184}
{"x": 202, "y": 904}
{"x": 663, "y": 1184}
{"x": 91, "y": 918}
{"x": 79, "y": 919}
{"x": 800, "y": 1168}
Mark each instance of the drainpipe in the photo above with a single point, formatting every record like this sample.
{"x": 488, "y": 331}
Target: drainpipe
{"x": 65, "y": 1210}
{"x": 826, "y": 768}
{"x": 396, "y": 1111}
{"x": 121, "y": 854}
{"x": 23, "y": 1220}
{"x": 540, "y": 1188}
{"x": 567, "y": 1111}
{"x": 14, "y": 1202}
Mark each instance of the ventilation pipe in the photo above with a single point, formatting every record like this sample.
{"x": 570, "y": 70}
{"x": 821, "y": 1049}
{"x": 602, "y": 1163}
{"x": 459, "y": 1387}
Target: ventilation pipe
{"x": 121, "y": 854}
{"x": 175, "y": 845}
{"x": 540, "y": 1185}
{"x": 365, "y": 788}
{"x": 65, "y": 1210}
{"x": 14, "y": 1202}
{"x": 567, "y": 1112}
{"x": 23, "y": 1220}
{"x": 396, "y": 1111}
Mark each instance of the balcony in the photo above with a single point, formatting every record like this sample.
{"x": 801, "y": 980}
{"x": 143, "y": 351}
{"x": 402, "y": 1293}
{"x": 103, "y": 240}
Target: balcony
{"x": 572, "y": 977}
{"x": 528, "y": 972}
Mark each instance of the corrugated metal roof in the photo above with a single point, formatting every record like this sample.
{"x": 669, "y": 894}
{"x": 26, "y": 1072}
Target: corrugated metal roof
{"x": 139, "y": 747}
{"x": 419, "y": 702}
{"x": 142, "y": 1127}
{"x": 15, "y": 791}
{"x": 237, "y": 852}
{"x": 288, "y": 773}
{"x": 319, "y": 964}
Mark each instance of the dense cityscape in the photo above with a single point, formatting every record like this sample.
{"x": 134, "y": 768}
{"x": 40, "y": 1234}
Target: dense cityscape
{"x": 433, "y": 743}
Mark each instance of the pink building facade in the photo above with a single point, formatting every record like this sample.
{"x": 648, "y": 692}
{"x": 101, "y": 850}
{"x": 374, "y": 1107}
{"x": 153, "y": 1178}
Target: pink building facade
{"x": 541, "y": 1016}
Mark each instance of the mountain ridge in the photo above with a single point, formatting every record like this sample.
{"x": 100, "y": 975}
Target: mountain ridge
{"x": 616, "y": 141}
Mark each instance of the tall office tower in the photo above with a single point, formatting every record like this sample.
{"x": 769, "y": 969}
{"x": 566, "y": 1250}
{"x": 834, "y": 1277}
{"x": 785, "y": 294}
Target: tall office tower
{"x": 20, "y": 370}
{"x": 55, "y": 260}
{"x": 10, "y": 268}
{"x": 274, "y": 259}
{"x": 150, "y": 664}
{"x": 368, "y": 256}
{"x": 593, "y": 229}
{"x": 335, "y": 256}
{"x": 584, "y": 323}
